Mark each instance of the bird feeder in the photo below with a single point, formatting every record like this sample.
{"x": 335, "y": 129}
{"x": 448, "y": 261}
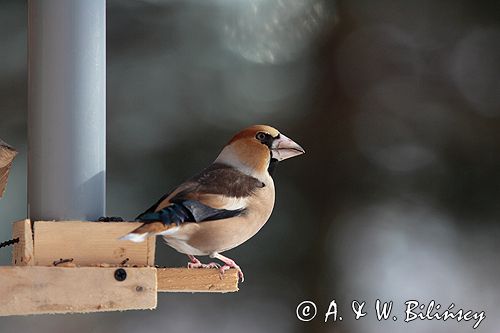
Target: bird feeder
{"x": 62, "y": 262}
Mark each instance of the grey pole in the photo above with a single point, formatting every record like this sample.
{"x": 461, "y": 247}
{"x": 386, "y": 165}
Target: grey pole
{"x": 66, "y": 109}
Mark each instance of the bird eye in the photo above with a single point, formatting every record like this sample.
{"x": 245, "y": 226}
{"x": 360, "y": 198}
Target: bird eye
{"x": 261, "y": 136}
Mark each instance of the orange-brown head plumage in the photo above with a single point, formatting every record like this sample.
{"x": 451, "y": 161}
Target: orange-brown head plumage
{"x": 251, "y": 132}
{"x": 251, "y": 149}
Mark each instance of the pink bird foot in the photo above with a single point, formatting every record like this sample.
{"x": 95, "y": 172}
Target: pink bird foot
{"x": 229, "y": 263}
{"x": 195, "y": 263}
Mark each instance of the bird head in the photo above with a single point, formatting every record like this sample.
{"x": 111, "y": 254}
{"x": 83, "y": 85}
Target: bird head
{"x": 255, "y": 148}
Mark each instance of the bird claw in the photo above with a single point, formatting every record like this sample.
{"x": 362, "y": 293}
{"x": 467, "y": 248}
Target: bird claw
{"x": 223, "y": 269}
{"x": 195, "y": 263}
{"x": 212, "y": 265}
{"x": 200, "y": 265}
{"x": 228, "y": 264}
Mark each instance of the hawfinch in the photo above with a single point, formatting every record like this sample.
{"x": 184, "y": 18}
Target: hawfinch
{"x": 225, "y": 204}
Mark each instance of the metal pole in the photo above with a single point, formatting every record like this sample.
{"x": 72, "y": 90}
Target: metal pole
{"x": 66, "y": 109}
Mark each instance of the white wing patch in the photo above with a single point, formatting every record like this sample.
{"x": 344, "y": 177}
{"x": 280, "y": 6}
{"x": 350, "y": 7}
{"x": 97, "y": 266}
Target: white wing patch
{"x": 234, "y": 203}
{"x": 169, "y": 231}
{"x": 183, "y": 247}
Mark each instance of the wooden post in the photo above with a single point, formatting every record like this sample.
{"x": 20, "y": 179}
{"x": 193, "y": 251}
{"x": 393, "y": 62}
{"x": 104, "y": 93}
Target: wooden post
{"x": 22, "y": 252}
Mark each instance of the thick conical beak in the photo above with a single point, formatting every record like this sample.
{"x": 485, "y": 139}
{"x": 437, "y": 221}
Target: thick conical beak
{"x": 283, "y": 148}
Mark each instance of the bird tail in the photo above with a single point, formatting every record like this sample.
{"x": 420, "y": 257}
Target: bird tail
{"x": 149, "y": 229}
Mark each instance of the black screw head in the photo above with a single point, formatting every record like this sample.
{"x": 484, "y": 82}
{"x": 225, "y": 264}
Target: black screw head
{"x": 120, "y": 274}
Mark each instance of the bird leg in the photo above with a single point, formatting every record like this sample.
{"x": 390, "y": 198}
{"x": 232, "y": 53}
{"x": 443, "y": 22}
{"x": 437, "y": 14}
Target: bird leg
{"x": 195, "y": 263}
{"x": 229, "y": 263}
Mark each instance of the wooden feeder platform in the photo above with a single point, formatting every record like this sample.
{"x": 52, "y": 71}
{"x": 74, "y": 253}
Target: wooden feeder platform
{"x": 80, "y": 267}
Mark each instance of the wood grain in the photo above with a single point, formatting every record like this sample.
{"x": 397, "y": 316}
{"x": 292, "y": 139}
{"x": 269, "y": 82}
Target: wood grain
{"x": 7, "y": 154}
{"x": 196, "y": 280}
{"x": 22, "y": 252}
{"x": 89, "y": 243}
{"x": 38, "y": 290}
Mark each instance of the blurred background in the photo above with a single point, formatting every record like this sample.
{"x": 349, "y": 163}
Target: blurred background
{"x": 397, "y": 104}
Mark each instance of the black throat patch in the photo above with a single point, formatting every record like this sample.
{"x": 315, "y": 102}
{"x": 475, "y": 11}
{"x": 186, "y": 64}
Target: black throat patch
{"x": 272, "y": 166}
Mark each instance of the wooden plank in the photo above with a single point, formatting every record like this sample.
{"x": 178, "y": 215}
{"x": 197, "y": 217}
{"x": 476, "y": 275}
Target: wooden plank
{"x": 38, "y": 290}
{"x": 7, "y": 154}
{"x": 22, "y": 252}
{"x": 89, "y": 243}
{"x": 151, "y": 246}
{"x": 196, "y": 280}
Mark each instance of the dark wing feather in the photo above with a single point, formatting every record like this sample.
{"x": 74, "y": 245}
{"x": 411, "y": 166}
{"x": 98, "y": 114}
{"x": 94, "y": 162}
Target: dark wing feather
{"x": 217, "y": 179}
{"x": 188, "y": 211}
{"x": 226, "y": 180}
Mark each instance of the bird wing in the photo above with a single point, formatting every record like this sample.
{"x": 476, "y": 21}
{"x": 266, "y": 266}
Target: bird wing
{"x": 218, "y": 192}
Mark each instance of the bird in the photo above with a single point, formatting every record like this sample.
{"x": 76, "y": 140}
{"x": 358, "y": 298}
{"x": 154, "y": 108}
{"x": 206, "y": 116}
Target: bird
{"x": 225, "y": 204}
